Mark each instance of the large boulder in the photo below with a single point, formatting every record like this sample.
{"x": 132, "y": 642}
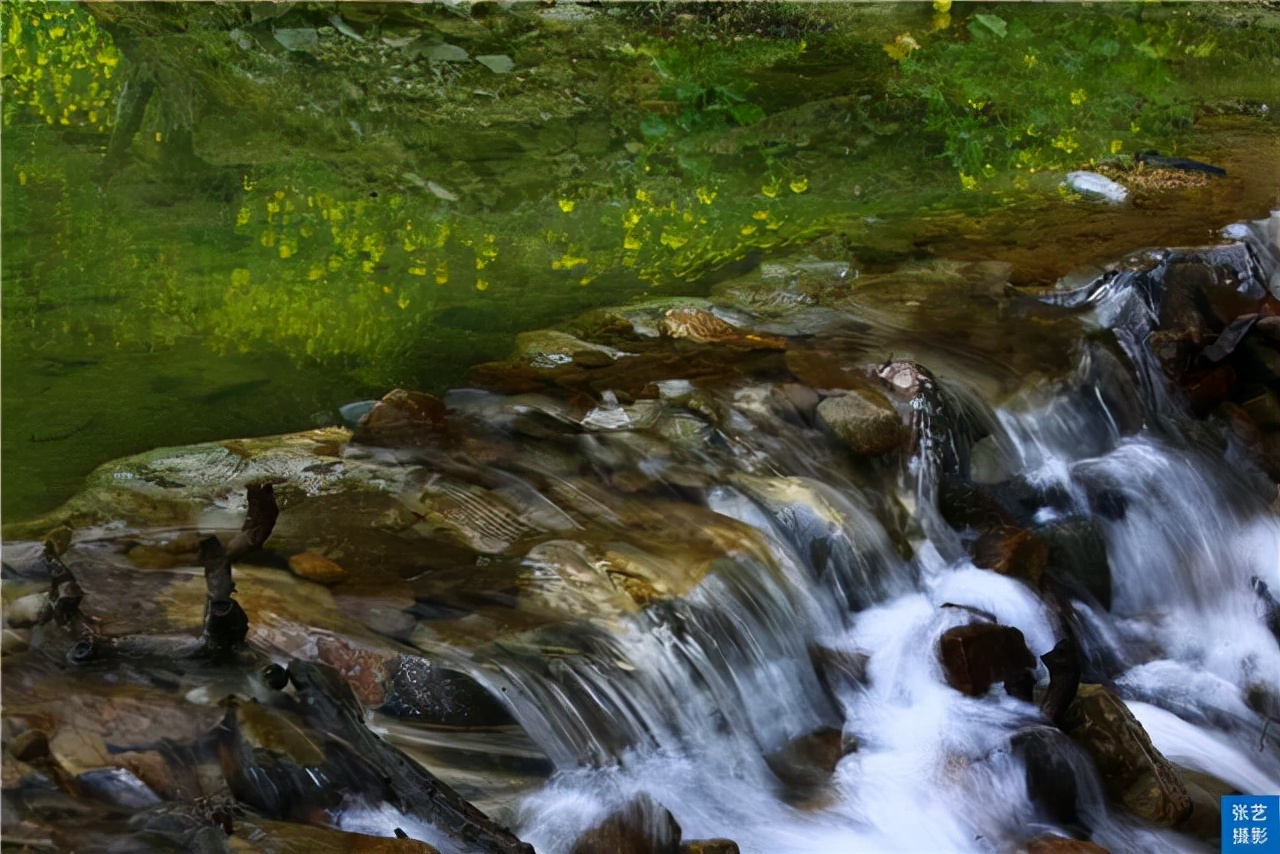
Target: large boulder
{"x": 865, "y": 421}
{"x": 1133, "y": 772}
{"x": 976, "y": 656}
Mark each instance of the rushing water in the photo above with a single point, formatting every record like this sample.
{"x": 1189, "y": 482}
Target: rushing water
{"x": 721, "y": 679}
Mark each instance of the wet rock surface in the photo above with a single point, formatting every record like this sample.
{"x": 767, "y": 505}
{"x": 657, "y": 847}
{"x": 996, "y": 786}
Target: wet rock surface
{"x": 402, "y": 419}
{"x": 641, "y": 826}
{"x": 1063, "y": 845}
{"x": 1132, "y": 770}
{"x": 979, "y": 655}
{"x": 863, "y": 420}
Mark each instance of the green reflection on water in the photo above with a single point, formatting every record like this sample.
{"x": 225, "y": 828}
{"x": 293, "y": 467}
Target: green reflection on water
{"x": 314, "y": 210}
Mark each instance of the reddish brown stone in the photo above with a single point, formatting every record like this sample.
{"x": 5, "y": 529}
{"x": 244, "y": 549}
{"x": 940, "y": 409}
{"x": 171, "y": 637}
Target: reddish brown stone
{"x": 805, "y": 764}
{"x": 402, "y": 419}
{"x": 978, "y": 655}
{"x": 1011, "y": 551}
{"x": 314, "y": 567}
{"x": 366, "y": 670}
{"x": 1173, "y": 348}
{"x": 642, "y": 826}
{"x": 826, "y": 370}
{"x": 1207, "y": 388}
{"x": 1063, "y": 845}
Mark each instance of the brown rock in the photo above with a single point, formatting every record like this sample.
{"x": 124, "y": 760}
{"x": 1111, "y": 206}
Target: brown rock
{"x": 1264, "y": 410}
{"x": 1269, "y": 327}
{"x": 703, "y": 327}
{"x": 805, "y": 765}
{"x": 865, "y": 421}
{"x": 154, "y": 772}
{"x": 182, "y": 550}
{"x": 1259, "y": 360}
{"x": 13, "y": 772}
{"x": 30, "y": 746}
{"x": 1011, "y": 551}
{"x": 262, "y": 836}
{"x": 825, "y": 370}
{"x": 26, "y": 611}
{"x": 1174, "y": 348}
{"x": 709, "y": 846}
{"x": 642, "y": 826}
{"x": 315, "y": 568}
{"x": 78, "y": 750}
{"x": 978, "y": 655}
{"x": 402, "y": 419}
{"x": 838, "y": 668}
{"x": 1209, "y": 387}
{"x": 1063, "y": 662}
{"x": 1133, "y": 772}
{"x": 367, "y": 670}
{"x": 1206, "y": 793}
{"x": 967, "y": 505}
{"x": 1063, "y": 845}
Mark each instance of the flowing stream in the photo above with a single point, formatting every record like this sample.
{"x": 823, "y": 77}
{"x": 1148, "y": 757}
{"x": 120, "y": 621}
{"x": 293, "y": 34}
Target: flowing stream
{"x": 686, "y": 699}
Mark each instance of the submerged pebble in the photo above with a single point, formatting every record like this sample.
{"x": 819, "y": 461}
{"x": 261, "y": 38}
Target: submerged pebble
{"x": 1098, "y": 186}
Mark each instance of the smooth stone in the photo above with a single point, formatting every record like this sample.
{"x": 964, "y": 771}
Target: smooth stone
{"x": 314, "y": 567}
{"x": 78, "y": 750}
{"x": 641, "y": 826}
{"x": 27, "y": 611}
{"x": 30, "y": 746}
{"x": 1099, "y": 186}
{"x": 865, "y": 421}
{"x": 402, "y": 419}
{"x": 976, "y": 656}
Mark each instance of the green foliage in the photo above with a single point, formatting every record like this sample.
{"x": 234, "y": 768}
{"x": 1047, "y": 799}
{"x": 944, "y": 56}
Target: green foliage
{"x": 704, "y": 82}
{"x": 1050, "y": 88}
{"x": 58, "y": 65}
